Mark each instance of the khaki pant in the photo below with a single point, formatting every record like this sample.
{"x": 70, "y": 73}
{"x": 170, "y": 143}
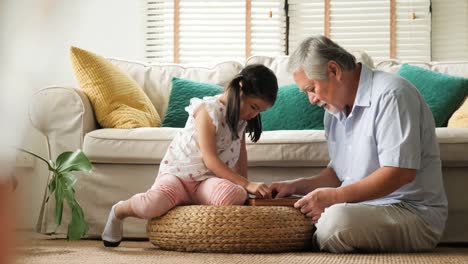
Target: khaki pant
{"x": 369, "y": 228}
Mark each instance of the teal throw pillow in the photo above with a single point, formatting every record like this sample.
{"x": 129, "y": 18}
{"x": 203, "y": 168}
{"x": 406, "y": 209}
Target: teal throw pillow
{"x": 182, "y": 91}
{"x": 292, "y": 111}
{"x": 443, "y": 93}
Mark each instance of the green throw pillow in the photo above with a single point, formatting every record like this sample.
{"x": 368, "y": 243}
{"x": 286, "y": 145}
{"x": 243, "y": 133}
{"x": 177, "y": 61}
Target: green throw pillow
{"x": 292, "y": 111}
{"x": 443, "y": 93}
{"x": 182, "y": 91}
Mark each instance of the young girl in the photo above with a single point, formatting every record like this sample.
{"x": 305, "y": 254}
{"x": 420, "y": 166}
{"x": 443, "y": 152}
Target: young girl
{"x": 206, "y": 163}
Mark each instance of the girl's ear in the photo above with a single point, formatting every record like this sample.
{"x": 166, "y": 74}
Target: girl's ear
{"x": 240, "y": 85}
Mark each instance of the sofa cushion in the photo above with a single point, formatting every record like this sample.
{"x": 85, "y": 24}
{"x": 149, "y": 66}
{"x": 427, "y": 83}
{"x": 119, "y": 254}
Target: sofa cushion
{"x": 156, "y": 78}
{"x": 393, "y": 66}
{"x": 278, "y": 64}
{"x": 289, "y": 148}
{"x": 443, "y": 93}
{"x": 451, "y": 68}
{"x": 117, "y": 99}
{"x": 160, "y": 79}
{"x": 148, "y": 146}
{"x": 282, "y": 148}
{"x": 292, "y": 111}
{"x": 128, "y": 146}
{"x": 460, "y": 117}
{"x": 453, "y": 143}
{"x": 181, "y": 93}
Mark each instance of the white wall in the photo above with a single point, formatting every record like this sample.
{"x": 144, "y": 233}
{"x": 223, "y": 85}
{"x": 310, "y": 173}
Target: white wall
{"x": 35, "y": 38}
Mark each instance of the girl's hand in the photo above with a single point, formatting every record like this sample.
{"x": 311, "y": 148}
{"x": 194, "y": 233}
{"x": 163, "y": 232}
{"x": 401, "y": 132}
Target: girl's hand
{"x": 259, "y": 189}
{"x": 282, "y": 189}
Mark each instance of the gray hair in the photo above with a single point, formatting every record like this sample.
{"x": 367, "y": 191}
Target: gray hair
{"x": 314, "y": 53}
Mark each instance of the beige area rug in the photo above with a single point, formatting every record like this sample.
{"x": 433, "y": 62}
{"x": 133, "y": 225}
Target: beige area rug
{"x": 52, "y": 251}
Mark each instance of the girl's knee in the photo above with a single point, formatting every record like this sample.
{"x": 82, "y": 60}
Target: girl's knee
{"x": 228, "y": 193}
{"x": 151, "y": 204}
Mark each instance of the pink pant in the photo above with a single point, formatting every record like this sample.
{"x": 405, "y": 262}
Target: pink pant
{"x": 169, "y": 191}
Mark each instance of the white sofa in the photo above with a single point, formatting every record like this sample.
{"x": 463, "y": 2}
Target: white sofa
{"x": 126, "y": 160}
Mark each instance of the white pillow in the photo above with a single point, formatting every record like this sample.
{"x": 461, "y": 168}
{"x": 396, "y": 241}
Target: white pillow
{"x": 363, "y": 57}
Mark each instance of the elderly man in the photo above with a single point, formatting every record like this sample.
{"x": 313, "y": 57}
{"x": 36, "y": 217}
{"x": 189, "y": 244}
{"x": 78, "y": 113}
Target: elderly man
{"x": 383, "y": 189}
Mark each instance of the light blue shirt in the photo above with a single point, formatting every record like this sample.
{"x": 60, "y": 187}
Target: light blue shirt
{"x": 390, "y": 125}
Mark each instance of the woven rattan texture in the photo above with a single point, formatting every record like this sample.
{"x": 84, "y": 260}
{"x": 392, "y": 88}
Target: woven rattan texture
{"x": 246, "y": 229}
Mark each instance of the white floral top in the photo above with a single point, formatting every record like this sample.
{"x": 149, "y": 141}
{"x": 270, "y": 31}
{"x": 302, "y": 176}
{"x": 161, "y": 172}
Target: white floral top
{"x": 184, "y": 158}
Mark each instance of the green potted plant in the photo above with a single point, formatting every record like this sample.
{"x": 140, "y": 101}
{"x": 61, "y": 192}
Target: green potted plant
{"x": 61, "y": 185}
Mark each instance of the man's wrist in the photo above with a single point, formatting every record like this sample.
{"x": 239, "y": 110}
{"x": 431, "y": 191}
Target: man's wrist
{"x": 339, "y": 196}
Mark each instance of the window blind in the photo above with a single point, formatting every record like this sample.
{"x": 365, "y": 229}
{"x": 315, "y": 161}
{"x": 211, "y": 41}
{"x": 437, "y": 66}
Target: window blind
{"x": 159, "y": 31}
{"x": 365, "y": 25}
{"x": 449, "y": 30}
{"x": 268, "y": 27}
{"x": 413, "y": 32}
{"x": 306, "y": 18}
{"x": 362, "y": 25}
{"x": 211, "y": 29}
{"x": 185, "y": 31}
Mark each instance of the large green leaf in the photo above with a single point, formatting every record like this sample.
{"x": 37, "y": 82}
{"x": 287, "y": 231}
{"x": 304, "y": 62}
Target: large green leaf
{"x": 73, "y": 161}
{"x": 49, "y": 163}
{"x": 59, "y": 197}
{"x": 61, "y": 185}
{"x": 68, "y": 179}
{"x": 77, "y": 227}
{"x": 64, "y": 191}
{"x": 53, "y": 183}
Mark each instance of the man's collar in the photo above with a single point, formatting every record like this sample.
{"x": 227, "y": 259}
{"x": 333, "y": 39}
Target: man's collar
{"x": 363, "y": 94}
{"x": 364, "y": 91}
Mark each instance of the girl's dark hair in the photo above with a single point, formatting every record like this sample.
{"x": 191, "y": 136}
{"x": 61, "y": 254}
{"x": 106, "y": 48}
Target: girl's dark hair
{"x": 257, "y": 81}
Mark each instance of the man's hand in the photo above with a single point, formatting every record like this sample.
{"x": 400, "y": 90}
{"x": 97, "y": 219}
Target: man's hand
{"x": 259, "y": 189}
{"x": 282, "y": 189}
{"x": 315, "y": 202}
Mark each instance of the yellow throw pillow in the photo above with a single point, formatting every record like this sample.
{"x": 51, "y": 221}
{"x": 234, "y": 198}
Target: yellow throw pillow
{"x": 460, "y": 117}
{"x": 117, "y": 99}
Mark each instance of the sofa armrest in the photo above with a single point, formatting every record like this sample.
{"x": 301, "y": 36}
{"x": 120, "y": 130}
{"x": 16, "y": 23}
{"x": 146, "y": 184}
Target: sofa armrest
{"x": 64, "y": 116}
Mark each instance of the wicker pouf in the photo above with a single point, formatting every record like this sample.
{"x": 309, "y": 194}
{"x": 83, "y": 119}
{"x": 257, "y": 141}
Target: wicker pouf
{"x": 257, "y": 229}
